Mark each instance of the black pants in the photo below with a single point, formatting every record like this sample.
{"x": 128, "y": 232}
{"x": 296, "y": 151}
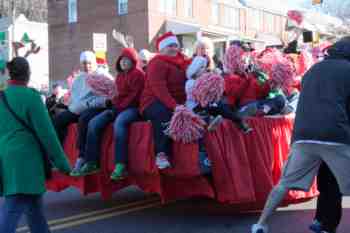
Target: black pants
{"x": 225, "y": 111}
{"x": 329, "y": 203}
{"x": 276, "y": 104}
{"x": 62, "y": 121}
{"x": 83, "y": 123}
{"x": 159, "y": 115}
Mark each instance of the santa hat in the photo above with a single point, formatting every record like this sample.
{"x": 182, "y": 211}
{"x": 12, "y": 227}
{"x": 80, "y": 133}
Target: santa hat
{"x": 166, "y": 39}
{"x": 197, "y": 63}
{"x": 88, "y": 56}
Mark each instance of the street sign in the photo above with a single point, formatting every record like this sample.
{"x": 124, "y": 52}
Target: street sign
{"x": 100, "y": 42}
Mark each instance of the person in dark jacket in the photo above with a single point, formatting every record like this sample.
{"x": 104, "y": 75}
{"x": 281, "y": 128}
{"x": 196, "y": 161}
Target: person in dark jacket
{"x": 22, "y": 164}
{"x": 321, "y": 131}
{"x": 130, "y": 83}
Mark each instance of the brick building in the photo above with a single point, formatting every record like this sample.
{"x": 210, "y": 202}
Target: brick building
{"x": 73, "y": 22}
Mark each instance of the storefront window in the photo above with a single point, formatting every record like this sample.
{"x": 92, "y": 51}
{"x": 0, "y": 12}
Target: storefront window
{"x": 168, "y": 7}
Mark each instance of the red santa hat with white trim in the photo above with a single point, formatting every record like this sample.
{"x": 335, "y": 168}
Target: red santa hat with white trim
{"x": 166, "y": 39}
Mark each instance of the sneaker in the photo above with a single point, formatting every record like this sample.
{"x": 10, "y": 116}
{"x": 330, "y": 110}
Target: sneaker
{"x": 248, "y": 110}
{"x": 245, "y": 127}
{"x": 77, "y": 166}
{"x": 204, "y": 163}
{"x": 248, "y": 130}
{"x": 162, "y": 161}
{"x": 119, "y": 172}
{"x": 316, "y": 226}
{"x": 87, "y": 169}
{"x": 215, "y": 123}
{"x": 257, "y": 228}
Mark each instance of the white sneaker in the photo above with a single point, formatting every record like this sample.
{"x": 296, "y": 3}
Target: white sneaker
{"x": 257, "y": 228}
{"x": 78, "y": 164}
{"x": 215, "y": 123}
{"x": 207, "y": 162}
{"x": 162, "y": 161}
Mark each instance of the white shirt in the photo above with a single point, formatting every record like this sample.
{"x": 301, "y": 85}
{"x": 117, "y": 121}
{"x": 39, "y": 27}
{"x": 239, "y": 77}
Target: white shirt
{"x": 190, "y": 102}
{"x": 82, "y": 96}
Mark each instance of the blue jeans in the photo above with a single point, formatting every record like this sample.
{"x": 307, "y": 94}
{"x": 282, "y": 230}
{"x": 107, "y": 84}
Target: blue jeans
{"x": 121, "y": 125}
{"x": 30, "y": 205}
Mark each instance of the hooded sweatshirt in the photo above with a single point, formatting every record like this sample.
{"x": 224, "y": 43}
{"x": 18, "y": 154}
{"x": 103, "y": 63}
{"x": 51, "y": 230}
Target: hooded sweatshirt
{"x": 129, "y": 84}
{"x": 323, "y": 108}
{"x": 241, "y": 91}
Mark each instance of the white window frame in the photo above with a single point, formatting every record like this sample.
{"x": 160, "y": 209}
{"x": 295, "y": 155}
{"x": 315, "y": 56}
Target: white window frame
{"x": 123, "y": 7}
{"x": 72, "y": 11}
{"x": 215, "y": 13}
{"x": 270, "y": 22}
{"x": 188, "y": 7}
{"x": 168, "y": 7}
{"x": 255, "y": 19}
{"x": 231, "y": 18}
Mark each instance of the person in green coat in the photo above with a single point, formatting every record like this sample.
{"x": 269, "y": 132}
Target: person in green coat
{"x": 22, "y": 175}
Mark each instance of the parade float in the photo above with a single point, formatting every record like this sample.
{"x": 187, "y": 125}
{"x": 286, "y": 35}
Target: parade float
{"x": 243, "y": 167}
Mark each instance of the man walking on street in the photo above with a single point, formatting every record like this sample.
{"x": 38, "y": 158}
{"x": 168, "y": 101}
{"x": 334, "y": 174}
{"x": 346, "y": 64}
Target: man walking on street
{"x": 321, "y": 131}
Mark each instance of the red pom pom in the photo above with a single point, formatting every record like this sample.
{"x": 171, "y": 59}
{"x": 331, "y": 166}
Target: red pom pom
{"x": 101, "y": 85}
{"x": 208, "y": 88}
{"x": 233, "y": 59}
{"x": 268, "y": 58}
{"x": 185, "y": 126}
{"x": 283, "y": 75}
{"x": 296, "y": 16}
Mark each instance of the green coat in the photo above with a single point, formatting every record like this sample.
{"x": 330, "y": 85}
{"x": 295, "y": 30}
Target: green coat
{"x": 21, "y": 163}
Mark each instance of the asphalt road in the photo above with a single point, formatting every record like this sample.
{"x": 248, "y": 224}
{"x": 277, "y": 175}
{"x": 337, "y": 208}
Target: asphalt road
{"x": 130, "y": 211}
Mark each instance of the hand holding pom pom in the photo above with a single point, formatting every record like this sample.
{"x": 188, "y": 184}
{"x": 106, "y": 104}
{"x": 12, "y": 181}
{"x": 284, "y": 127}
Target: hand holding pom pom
{"x": 185, "y": 126}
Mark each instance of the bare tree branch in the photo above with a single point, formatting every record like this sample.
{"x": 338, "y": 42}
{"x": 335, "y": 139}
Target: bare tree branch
{"x": 35, "y": 10}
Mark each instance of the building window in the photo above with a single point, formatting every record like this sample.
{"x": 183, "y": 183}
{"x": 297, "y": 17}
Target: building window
{"x": 72, "y": 11}
{"x": 168, "y": 7}
{"x": 215, "y": 12}
{"x": 254, "y": 19}
{"x": 278, "y": 24}
{"x": 231, "y": 18}
{"x": 122, "y": 7}
{"x": 189, "y": 8}
{"x": 270, "y": 22}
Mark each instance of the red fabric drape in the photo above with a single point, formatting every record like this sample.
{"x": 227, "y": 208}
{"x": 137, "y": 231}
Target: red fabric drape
{"x": 244, "y": 167}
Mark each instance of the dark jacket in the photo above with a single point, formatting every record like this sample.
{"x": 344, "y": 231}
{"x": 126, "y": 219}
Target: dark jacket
{"x": 323, "y": 109}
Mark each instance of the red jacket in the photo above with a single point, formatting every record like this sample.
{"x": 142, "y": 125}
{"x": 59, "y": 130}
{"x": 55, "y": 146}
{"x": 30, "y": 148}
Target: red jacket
{"x": 241, "y": 91}
{"x": 129, "y": 84}
{"x": 165, "y": 82}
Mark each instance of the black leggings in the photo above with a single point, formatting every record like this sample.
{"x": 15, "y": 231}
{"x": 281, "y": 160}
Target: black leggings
{"x": 224, "y": 110}
{"x": 62, "y": 121}
{"x": 159, "y": 115}
{"x": 329, "y": 203}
